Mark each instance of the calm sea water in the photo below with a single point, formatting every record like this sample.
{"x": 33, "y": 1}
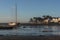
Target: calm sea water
{"x": 32, "y": 31}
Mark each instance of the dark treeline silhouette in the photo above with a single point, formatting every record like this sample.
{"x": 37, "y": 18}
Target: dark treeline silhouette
{"x": 45, "y": 19}
{"x": 35, "y": 19}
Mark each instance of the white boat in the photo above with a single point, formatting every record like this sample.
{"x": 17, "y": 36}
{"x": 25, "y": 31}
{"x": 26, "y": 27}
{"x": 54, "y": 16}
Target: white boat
{"x": 12, "y": 24}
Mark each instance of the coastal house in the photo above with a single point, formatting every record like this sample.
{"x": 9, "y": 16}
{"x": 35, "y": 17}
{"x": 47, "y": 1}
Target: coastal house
{"x": 55, "y": 20}
{"x": 58, "y": 19}
{"x": 46, "y": 21}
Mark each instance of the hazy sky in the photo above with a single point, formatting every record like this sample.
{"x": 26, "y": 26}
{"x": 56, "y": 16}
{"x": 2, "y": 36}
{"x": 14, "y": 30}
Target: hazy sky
{"x": 27, "y": 9}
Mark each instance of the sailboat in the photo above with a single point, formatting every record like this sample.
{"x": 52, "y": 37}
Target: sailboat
{"x": 11, "y": 25}
{"x": 14, "y": 24}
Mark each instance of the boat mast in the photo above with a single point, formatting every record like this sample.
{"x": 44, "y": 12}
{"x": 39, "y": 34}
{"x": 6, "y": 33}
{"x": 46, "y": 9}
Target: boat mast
{"x": 16, "y": 11}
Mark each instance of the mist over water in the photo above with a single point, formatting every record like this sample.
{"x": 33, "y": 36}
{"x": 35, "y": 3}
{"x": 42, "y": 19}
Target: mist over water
{"x": 32, "y": 31}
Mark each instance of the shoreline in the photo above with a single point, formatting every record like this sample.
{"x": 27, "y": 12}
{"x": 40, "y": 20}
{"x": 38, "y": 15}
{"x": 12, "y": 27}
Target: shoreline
{"x": 31, "y": 24}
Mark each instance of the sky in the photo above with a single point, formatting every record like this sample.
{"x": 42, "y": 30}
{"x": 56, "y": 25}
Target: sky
{"x": 27, "y": 9}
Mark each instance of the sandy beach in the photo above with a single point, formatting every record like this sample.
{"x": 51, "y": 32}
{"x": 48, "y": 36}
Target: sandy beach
{"x": 29, "y": 37}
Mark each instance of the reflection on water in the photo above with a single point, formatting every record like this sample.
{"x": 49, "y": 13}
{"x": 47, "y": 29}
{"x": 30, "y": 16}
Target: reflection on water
{"x": 33, "y": 30}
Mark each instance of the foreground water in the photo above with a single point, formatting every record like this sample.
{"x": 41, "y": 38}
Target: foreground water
{"x": 32, "y": 31}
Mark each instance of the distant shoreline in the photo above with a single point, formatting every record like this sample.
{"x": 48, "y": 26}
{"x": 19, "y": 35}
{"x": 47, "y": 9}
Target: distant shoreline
{"x": 33, "y": 24}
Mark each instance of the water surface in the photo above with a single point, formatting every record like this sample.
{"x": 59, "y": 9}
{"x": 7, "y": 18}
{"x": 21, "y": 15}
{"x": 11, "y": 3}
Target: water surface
{"x": 32, "y": 31}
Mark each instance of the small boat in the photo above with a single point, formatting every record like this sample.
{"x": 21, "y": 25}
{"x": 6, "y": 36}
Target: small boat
{"x": 10, "y": 25}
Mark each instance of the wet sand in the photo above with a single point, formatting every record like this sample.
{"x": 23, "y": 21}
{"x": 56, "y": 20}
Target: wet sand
{"x": 29, "y": 37}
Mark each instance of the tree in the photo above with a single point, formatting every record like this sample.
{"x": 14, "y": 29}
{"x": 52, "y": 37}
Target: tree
{"x": 37, "y": 19}
{"x": 47, "y": 16}
{"x": 31, "y": 20}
